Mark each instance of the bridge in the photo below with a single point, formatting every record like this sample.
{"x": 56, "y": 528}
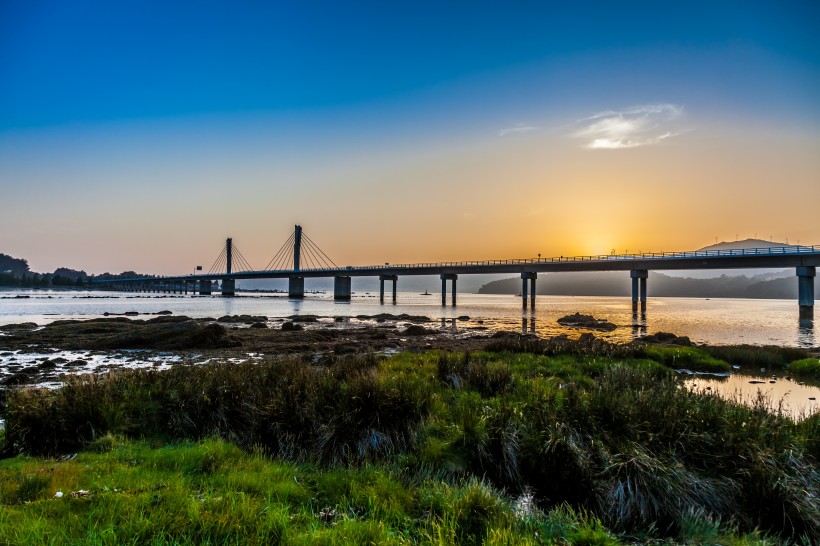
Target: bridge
{"x": 231, "y": 266}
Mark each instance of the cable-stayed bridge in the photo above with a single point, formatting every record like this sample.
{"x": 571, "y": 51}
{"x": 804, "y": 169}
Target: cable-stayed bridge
{"x": 300, "y": 258}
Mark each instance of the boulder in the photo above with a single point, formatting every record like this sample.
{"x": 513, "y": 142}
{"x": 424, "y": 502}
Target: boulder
{"x": 586, "y": 321}
{"x": 416, "y": 330}
{"x": 20, "y": 326}
{"x": 290, "y": 327}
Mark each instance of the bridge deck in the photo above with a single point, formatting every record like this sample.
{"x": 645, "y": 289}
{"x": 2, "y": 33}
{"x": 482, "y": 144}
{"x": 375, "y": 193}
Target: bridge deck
{"x": 751, "y": 258}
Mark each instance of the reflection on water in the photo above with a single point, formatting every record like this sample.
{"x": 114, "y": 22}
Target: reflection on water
{"x": 449, "y": 324}
{"x": 806, "y": 332}
{"x": 717, "y": 321}
{"x": 778, "y": 394}
{"x": 528, "y": 323}
{"x": 638, "y": 324}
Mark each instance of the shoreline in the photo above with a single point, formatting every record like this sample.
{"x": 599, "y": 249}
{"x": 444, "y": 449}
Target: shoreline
{"x": 45, "y": 356}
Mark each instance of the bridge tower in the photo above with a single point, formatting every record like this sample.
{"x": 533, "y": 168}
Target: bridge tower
{"x": 228, "y": 284}
{"x": 296, "y": 283}
{"x": 297, "y": 247}
{"x": 229, "y": 251}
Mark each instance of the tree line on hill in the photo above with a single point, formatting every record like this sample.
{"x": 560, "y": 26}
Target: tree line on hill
{"x": 778, "y": 285}
{"x": 15, "y": 272}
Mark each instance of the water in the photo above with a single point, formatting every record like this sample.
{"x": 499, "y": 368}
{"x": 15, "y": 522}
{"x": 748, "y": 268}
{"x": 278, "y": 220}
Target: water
{"x": 713, "y": 321}
{"x": 792, "y": 398}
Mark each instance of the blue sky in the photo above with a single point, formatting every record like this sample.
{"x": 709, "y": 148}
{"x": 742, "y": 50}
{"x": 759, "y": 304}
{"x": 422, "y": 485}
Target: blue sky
{"x": 65, "y": 62}
{"x": 496, "y": 123}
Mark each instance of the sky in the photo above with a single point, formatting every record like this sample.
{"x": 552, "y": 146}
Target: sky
{"x": 140, "y": 135}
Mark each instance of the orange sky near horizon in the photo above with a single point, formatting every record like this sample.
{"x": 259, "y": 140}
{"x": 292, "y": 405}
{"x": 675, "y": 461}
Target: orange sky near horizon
{"x": 486, "y": 197}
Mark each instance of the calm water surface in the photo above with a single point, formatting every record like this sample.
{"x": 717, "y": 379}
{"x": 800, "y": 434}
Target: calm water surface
{"x": 714, "y": 321}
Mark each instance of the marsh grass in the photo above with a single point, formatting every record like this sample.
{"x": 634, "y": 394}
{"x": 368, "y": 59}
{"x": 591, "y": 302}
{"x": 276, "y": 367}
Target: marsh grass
{"x": 692, "y": 358}
{"x": 424, "y": 448}
{"x": 806, "y": 367}
{"x": 754, "y": 356}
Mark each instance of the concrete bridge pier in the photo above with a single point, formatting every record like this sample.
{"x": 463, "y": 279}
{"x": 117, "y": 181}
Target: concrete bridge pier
{"x": 805, "y": 291}
{"x": 639, "y": 277}
{"x": 204, "y": 288}
{"x": 444, "y": 278}
{"x": 296, "y": 287}
{"x": 528, "y": 276}
{"x": 383, "y": 278}
{"x": 229, "y": 287}
{"x": 341, "y": 288}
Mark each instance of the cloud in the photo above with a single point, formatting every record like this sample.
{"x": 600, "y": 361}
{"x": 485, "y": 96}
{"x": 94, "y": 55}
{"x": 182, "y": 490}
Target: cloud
{"x": 629, "y": 128}
{"x": 517, "y": 130}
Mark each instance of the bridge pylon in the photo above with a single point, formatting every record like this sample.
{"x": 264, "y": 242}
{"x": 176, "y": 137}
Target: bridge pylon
{"x": 228, "y": 284}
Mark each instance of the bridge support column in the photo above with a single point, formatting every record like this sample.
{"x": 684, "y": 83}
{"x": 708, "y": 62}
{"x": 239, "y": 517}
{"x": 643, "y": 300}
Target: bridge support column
{"x": 639, "y": 277}
{"x": 528, "y": 276}
{"x": 229, "y": 287}
{"x": 204, "y": 288}
{"x": 383, "y": 278}
{"x": 805, "y": 291}
{"x": 444, "y": 278}
{"x": 341, "y": 288}
{"x": 296, "y": 287}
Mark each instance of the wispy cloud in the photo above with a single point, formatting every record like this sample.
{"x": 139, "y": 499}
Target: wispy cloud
{"x": 517, "y": 130}
{"x": 629, "y": 128}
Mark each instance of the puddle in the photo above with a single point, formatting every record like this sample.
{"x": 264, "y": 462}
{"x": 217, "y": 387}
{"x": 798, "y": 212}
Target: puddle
{"x": 794, "y": 399}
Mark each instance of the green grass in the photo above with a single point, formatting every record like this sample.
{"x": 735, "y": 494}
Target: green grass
{"x": 754, "y": 356}
{"x": 692, "y": 358}
{"x": 418, "y": 448}
{"x": 806, "y": 367}
{"x": 211, "y": 492}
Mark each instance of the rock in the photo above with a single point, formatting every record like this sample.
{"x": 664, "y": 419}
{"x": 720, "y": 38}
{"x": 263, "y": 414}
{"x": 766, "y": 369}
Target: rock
{"x": 586, "y": 321}
{"x": 164, "y": 313}
{"x": 290, "y": 327}
{"x": 166, "y": 319}
{"x": 187, "y": 334}
{"x": 20, "y": 326}
{"x": 242, "y": 319}
{"x": 464, "y": 318}
{"x": 304, "y": 318}
{"x": 131, "y": 313}
{"x": 416, "y": 330}
{"x": 260, "y": 325}
{"x": 345, "y": 349}
{"x": 668, "y": 338}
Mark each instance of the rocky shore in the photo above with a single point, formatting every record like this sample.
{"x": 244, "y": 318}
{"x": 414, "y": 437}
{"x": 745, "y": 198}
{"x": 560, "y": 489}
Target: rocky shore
{"x": 32, "y": 354}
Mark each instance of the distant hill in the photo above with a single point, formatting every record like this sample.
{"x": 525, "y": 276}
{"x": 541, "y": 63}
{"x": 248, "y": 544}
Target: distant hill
{"x": 745, "y": 243}
{"x": 617, "y": 283}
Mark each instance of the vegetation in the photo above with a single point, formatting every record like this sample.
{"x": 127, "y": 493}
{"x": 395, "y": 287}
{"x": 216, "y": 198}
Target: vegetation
{"x": 571, "y": 445}
{"x": 806, "y": 367}
{"x": 693, "y": 358}
{"x": 753, "y": 356}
